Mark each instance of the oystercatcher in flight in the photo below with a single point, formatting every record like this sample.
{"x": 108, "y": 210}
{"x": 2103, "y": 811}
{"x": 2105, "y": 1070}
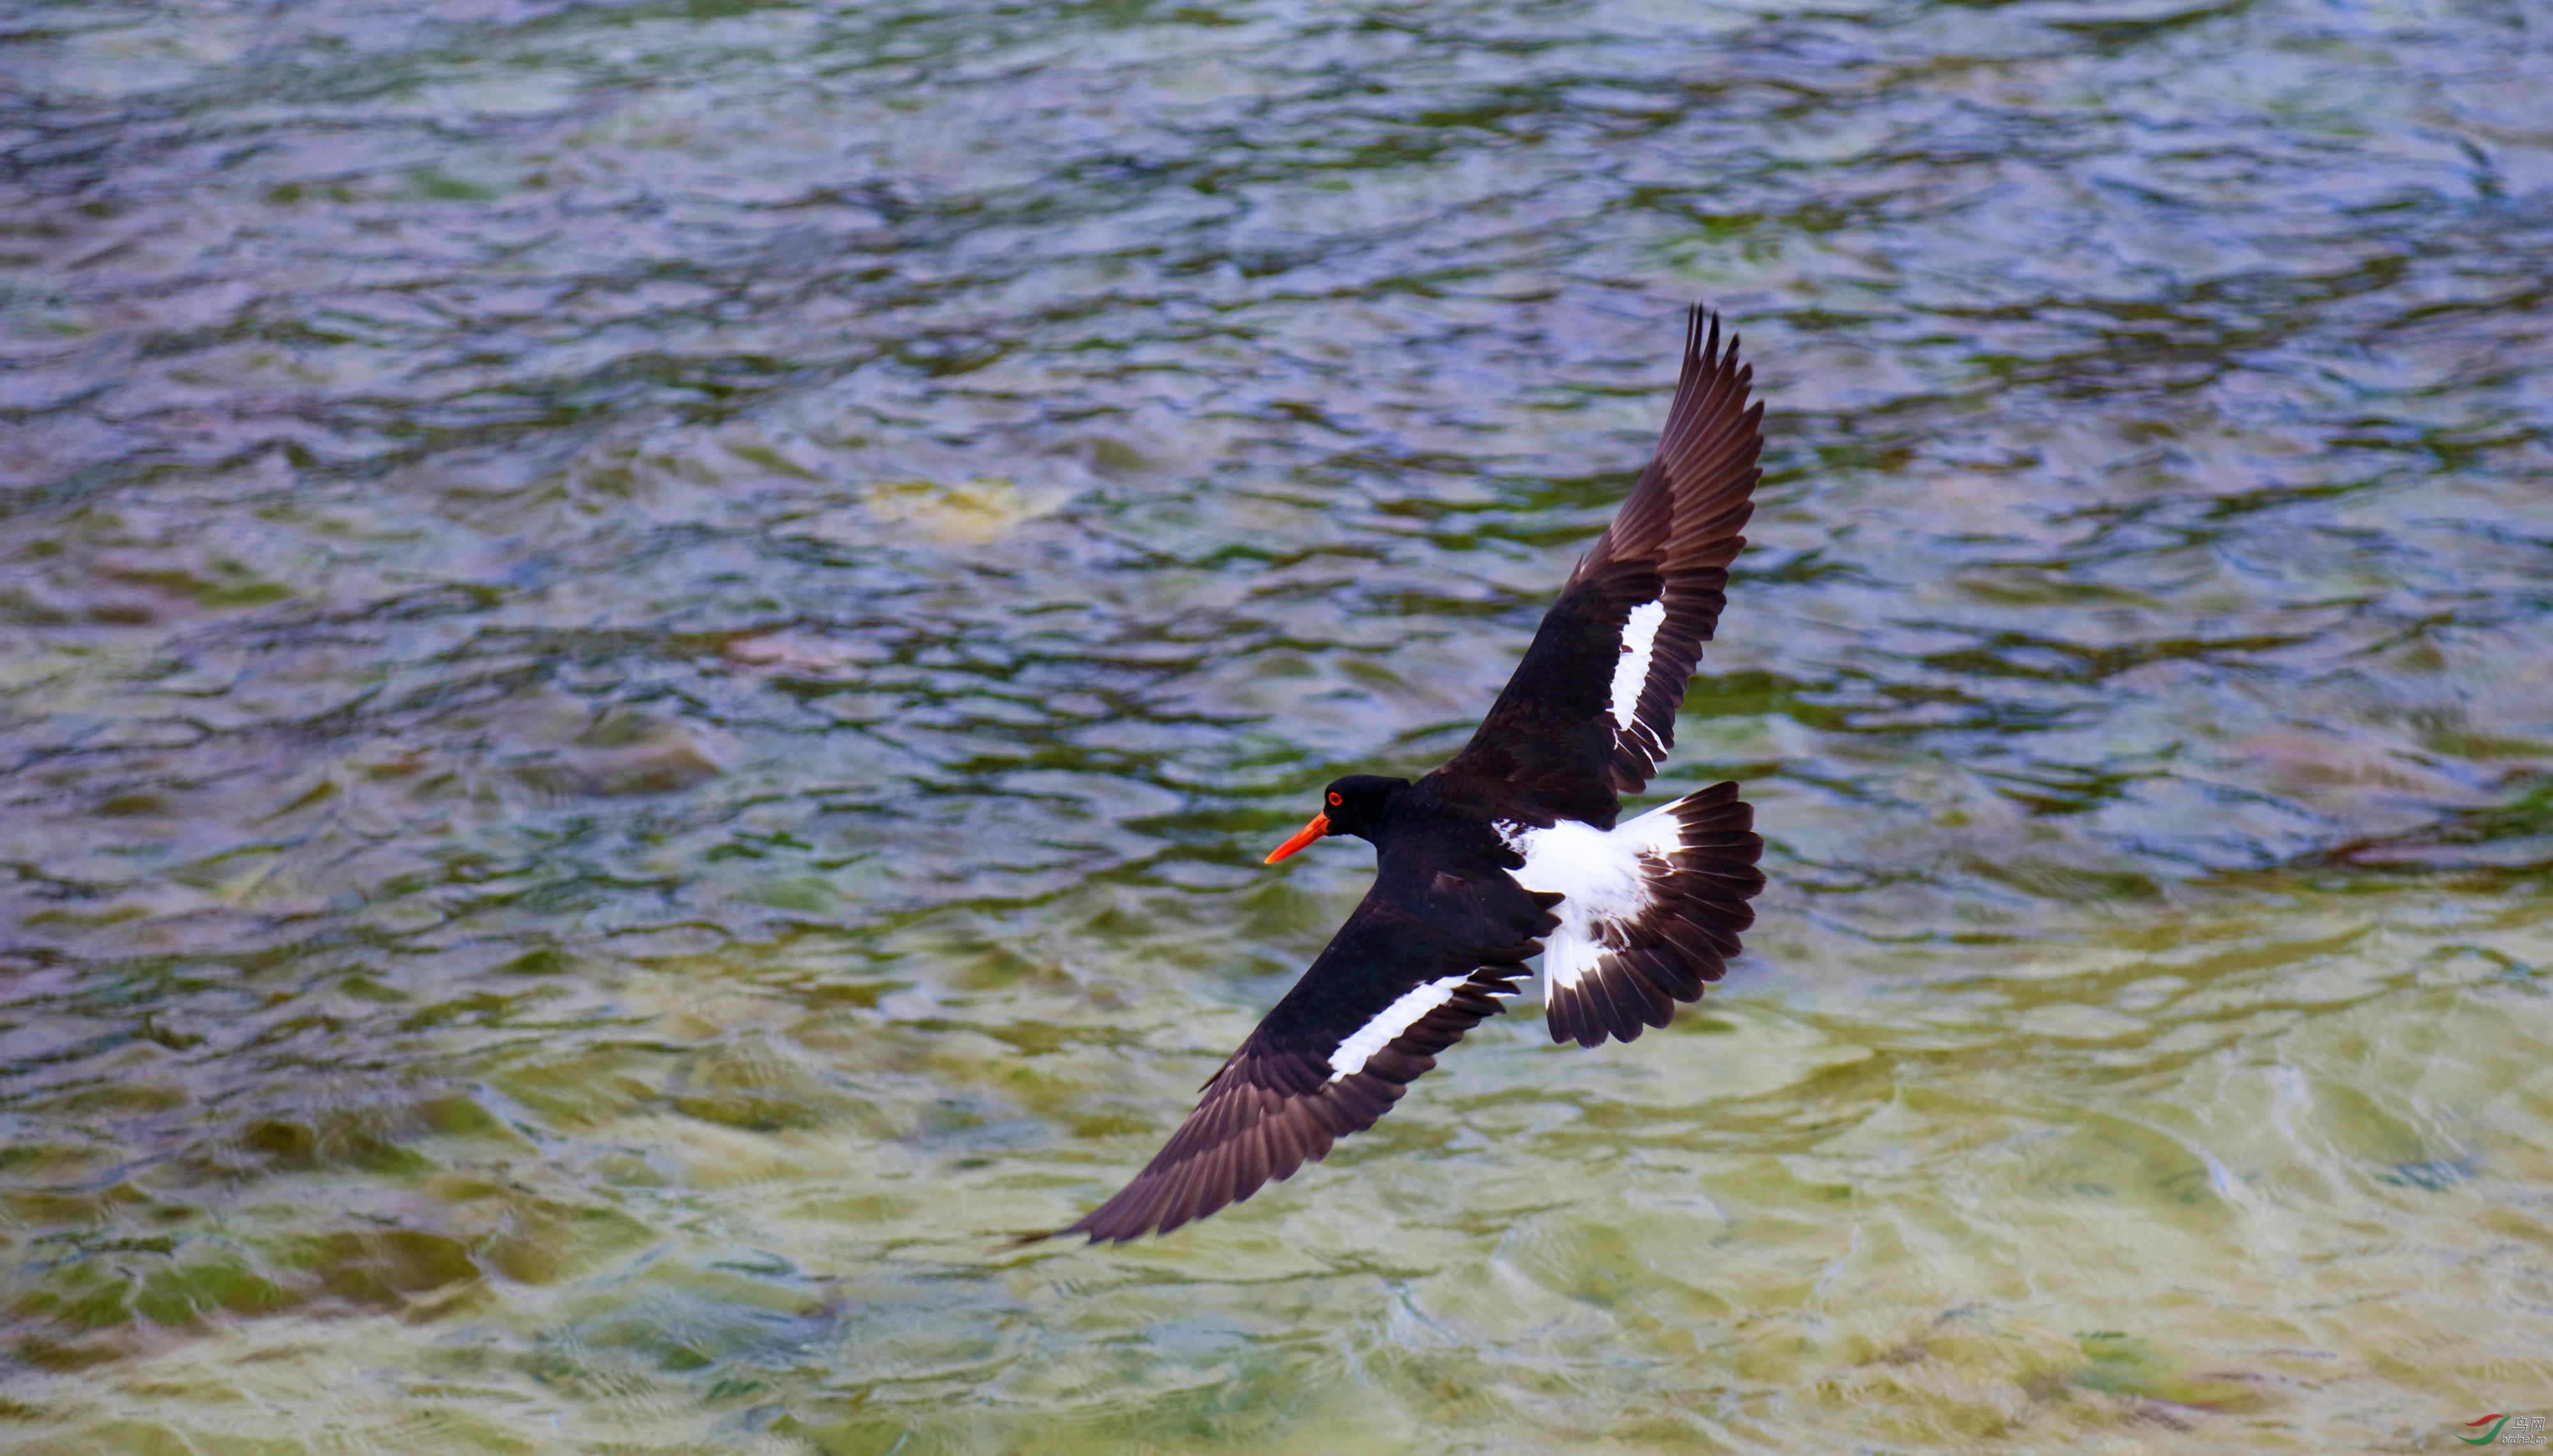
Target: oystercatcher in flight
{"x": 1512, "y": 849}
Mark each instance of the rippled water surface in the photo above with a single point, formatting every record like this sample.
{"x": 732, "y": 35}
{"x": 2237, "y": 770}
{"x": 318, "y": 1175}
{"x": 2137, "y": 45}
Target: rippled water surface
{"x": 646, "y": 650}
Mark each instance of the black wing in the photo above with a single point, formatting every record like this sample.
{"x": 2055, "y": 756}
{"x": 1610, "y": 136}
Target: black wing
{"x": 1592, "y": 708}
{"x": 1422, "y": 960}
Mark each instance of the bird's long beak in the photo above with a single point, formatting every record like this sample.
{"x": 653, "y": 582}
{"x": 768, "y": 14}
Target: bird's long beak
{"x": 1319, "y": 826}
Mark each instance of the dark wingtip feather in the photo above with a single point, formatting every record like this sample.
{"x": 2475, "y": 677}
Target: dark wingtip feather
{"x": 1265, "y": 1117}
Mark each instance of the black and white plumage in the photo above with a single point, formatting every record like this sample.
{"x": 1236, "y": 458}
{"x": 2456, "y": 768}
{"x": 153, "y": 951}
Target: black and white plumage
{"x": 1512, "y": 849}
{"x": 1649, "y": 911}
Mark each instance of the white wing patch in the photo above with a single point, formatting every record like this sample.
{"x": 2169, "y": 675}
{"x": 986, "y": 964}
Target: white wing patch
{"x": 1392, "y": 1021}
{"x": 1632, "y": 670}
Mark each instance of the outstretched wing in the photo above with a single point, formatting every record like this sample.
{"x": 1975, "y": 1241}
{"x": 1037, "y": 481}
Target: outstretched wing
{"x": 1420, "y": 962}
{"x": 1591, "y": 710}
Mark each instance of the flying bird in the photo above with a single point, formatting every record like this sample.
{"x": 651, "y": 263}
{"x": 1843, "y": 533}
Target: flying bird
{"x": 1513, "y": 848}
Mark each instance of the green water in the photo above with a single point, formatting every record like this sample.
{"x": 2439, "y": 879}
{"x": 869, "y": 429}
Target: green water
{"x": 646, "y": 650}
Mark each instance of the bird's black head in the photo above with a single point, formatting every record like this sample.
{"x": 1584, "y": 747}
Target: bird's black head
{"x": 1354, "y": 804}
{"x": 1351, "y": 805}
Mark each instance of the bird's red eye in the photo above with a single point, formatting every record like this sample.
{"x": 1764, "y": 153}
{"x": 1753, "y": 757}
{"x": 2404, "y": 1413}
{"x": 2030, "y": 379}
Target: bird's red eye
{"x": 1335, "y": 800}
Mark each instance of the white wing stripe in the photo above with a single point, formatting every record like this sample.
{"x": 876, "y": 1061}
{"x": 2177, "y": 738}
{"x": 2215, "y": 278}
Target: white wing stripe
{"x": 1632, "y": 670}
{"x": 1392, "y": 1021}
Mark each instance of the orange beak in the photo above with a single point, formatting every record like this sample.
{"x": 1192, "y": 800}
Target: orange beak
{"x": 1319, "y": 826}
